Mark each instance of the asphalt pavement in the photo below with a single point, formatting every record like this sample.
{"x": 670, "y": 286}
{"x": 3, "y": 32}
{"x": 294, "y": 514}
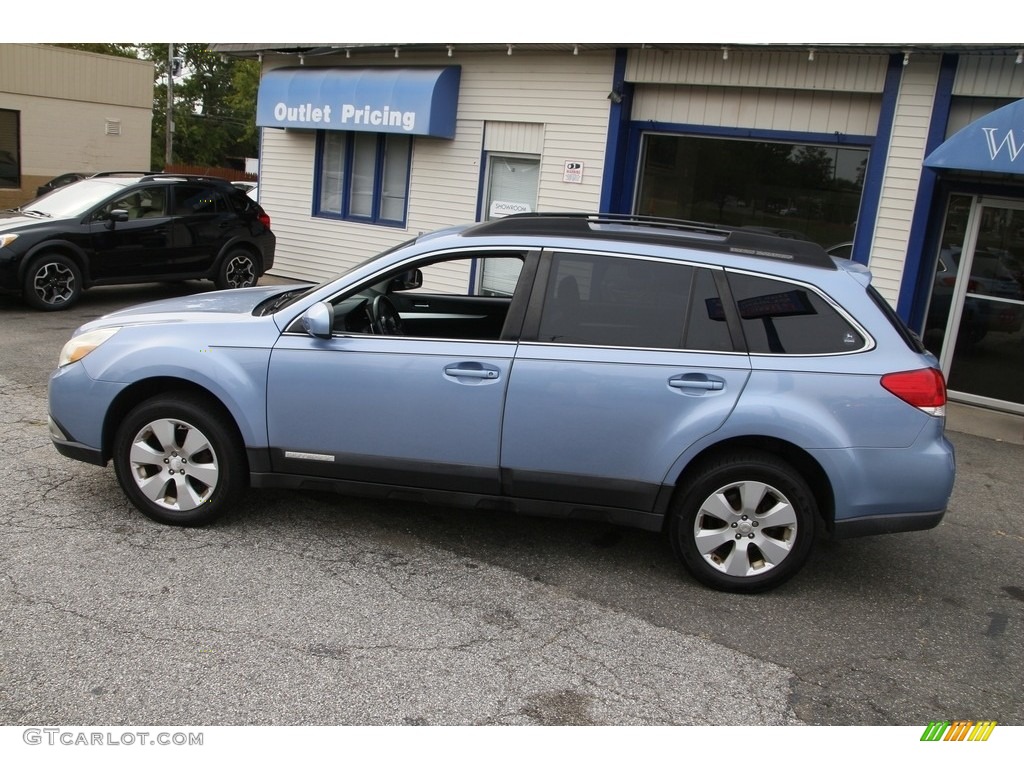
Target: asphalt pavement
{"x": 312, "y": 609}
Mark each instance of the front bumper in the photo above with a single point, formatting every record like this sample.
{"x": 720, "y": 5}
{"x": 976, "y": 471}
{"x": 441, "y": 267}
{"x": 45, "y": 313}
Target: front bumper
{"x": 78, "y": 405}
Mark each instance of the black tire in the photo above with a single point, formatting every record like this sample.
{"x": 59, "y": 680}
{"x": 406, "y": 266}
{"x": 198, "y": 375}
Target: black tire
{"x": 721, "y": 523}
{"x": 238, "y": 269}
{"x": 180, "y": 460}
{"x": 52, "y": 282}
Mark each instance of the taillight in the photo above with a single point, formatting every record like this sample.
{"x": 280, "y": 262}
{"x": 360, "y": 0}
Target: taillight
{"x": 924, "y": 388}
{"x": 264, "y": 219}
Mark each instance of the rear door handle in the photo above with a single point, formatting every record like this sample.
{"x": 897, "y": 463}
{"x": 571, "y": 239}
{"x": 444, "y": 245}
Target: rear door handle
{"x": 696, "y": 382}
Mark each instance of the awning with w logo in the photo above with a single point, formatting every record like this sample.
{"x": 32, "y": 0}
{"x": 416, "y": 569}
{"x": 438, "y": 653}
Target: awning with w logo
{"x": 994, "y": 143}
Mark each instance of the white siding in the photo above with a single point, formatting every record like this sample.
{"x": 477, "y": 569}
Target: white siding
{"x": 760, "y": 109}
{"x": 554, "y": 105}
{"x": 992, "y": 76}
{"x": 522, "y": 138}
{"x": 914, "y": 105}
{"x": 864, "y": 73}
{"x": 965, "y": 110}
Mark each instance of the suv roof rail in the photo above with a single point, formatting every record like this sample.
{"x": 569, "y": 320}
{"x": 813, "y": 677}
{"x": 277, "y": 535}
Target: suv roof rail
{"x": 184, "y": 176}
{"x": 101, "y": 174}
{"x": 647, "y": 229}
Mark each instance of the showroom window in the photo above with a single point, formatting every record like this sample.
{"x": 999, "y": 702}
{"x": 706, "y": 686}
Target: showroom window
{"x": 804, "y": 191}
{"x": 511, "y": 187}
{"x": 10, "y": 167}
{"x": 363, "y": 177}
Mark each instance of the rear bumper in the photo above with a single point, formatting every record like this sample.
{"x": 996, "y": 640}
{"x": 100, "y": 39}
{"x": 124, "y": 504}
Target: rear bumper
{"x": 890, "y": 490}
{"x": 892, "y": 523}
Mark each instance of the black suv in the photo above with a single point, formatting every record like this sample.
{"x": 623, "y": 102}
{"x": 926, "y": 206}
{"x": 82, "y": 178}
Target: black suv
{"x": 117, "y": 228}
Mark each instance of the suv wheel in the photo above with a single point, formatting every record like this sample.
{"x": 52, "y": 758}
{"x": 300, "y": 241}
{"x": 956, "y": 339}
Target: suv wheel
{"x": 52, "y": 282}
{"x": 179, "y": 460}
{"x": 238, "y": 270}
{"x": 745, "y": 524}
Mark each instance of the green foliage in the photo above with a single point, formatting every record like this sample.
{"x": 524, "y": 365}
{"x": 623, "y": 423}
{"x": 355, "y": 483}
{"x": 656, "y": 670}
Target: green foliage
{"x": 214, "y": 106}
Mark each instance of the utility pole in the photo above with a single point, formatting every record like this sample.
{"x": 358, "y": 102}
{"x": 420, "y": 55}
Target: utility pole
{"x": 170, "y": 105}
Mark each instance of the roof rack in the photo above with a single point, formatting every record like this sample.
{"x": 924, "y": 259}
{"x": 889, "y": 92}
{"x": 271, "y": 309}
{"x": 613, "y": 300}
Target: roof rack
{"x": 185, "y": 176}
{"x": 146, "y": 175}
{"x": 101, "y": 174}
{"x": 652, "y": 229}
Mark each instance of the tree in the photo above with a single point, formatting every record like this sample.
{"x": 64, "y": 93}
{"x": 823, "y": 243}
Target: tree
{"x": 214, "y": 106}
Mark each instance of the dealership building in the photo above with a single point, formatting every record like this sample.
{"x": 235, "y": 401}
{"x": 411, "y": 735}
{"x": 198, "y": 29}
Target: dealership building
{"x": 905, "y": 158}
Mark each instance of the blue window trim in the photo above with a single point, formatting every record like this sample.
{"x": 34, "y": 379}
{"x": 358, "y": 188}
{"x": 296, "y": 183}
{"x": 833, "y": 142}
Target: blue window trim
{"x": 378, "y": 184}
{"x": 617, "y": 145}
{"x": 929, "y": 210}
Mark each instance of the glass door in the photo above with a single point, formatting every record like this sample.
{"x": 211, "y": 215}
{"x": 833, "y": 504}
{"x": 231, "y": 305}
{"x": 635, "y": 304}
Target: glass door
{"x": 975, "y": 322}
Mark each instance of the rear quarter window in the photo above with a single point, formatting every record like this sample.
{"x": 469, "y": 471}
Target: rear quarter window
{"x": 191, "y": 199}
{"x": 911, "y": 339}
{"x": 782, "y": 318}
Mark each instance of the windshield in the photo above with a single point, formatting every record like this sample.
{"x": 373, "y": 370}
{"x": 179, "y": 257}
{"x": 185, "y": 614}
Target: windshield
{"x": 75, "y": 199}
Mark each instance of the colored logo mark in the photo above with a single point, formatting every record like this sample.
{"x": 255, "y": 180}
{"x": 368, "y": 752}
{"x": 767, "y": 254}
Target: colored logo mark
{"x": 958, "y": 730}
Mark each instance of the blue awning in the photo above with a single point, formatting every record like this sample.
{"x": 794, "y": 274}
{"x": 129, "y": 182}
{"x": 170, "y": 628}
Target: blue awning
{"x": 995, "y": 143}
{"x": 414, "y": 101}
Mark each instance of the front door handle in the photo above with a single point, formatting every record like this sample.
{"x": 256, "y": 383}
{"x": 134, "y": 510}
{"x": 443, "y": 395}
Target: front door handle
{"x": 462, "y": 371}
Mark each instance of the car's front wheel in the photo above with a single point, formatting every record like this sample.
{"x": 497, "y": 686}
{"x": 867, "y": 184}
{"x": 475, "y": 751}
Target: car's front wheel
{"x": 745, "y": 523}
{"x": 53, "y": 281}
{"x": 238, "y": 269}
{"x": 180, "y": 460}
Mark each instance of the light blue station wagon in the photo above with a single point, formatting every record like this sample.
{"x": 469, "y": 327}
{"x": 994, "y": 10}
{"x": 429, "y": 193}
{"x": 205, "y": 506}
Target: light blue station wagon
{"x": 738, "y": 391}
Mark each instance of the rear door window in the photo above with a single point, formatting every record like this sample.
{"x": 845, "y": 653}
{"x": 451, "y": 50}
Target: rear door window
{"x": 615, "y": 301}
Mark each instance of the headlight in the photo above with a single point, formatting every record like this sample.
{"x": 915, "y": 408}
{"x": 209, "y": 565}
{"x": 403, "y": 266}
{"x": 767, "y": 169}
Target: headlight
{"x": 80, "y": 346}
{"x": 6, "y": 240}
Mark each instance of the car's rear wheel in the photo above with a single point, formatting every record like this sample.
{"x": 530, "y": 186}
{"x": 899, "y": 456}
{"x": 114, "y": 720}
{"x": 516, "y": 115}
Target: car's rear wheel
{"x": 238, "y": 269}
{"x": 745, "y": 523}
{"x": 180, "y": 460}
{"x": 53, "y": 282}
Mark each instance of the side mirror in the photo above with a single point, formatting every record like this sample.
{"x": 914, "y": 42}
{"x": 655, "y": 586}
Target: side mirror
{"x": 406, "y": 281}
{"x": 318, "y": 320}
{"x": 118, "y": 214}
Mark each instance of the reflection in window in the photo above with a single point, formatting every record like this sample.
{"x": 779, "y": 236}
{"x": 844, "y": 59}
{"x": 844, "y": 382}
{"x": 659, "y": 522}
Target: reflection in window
{"x": 802, "y": 191}
{"x": 782, "y": 318}
{"x": 609, "y": 301}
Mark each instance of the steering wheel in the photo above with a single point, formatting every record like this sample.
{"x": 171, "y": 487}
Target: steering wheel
{"x": 384, "y": 318}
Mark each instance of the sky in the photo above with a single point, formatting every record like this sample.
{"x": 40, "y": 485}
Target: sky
{"x": 636, "y": 21}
